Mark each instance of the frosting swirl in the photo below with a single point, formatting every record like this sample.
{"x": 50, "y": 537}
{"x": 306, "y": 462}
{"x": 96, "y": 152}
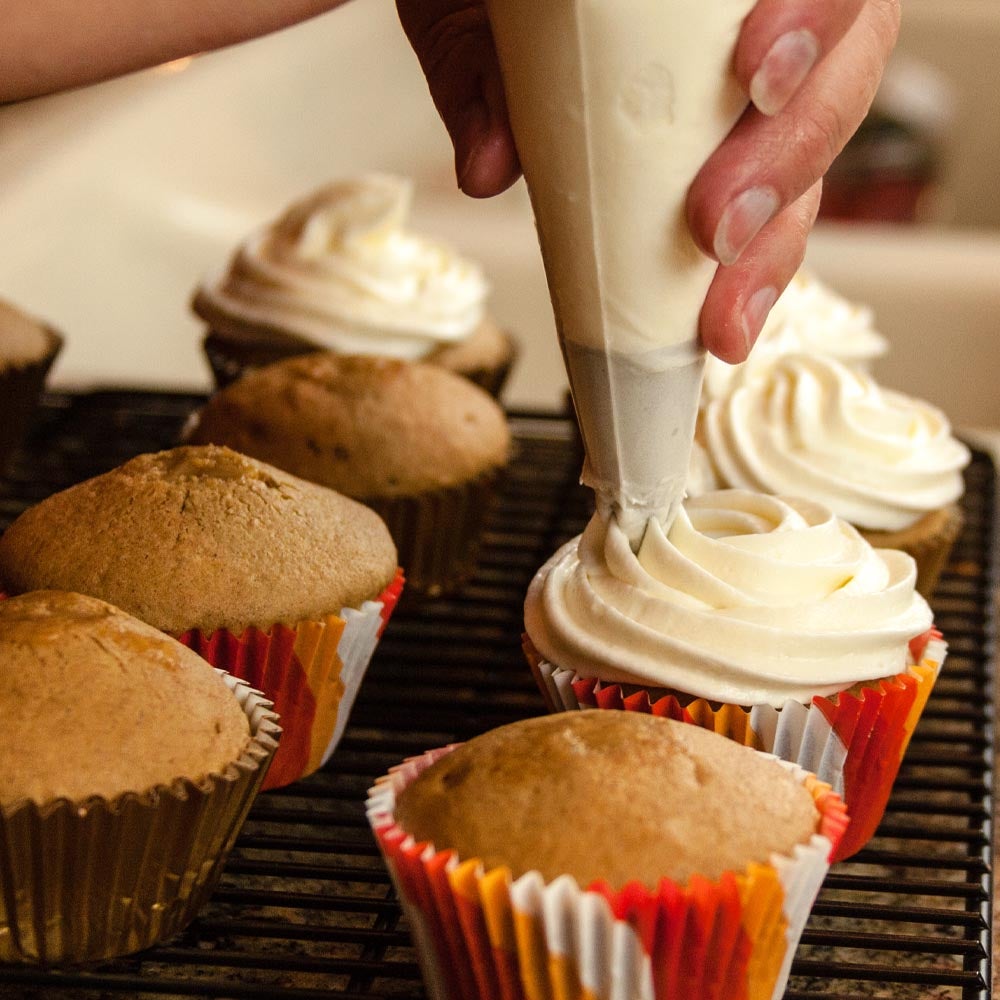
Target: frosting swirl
{"x": 809, "y": 318}
{"x": 339, "y": 269}
{"x": 811, "y": 426}
{"x": 750, "y": 599}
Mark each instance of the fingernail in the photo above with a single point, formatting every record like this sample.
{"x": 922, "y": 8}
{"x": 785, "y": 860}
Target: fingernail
{"x": 782, "y": 70}
{"x": 755, "y": 313}
{"x": 742, "y": 220}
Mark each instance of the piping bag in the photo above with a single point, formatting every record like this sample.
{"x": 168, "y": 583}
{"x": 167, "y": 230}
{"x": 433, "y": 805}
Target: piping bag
{"x": 615, "y": 105}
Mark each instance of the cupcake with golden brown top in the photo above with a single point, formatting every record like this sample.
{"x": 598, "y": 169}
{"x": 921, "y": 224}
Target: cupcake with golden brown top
{"x": 419, "y": 445}
{"x": 127, "y": 757}
{"x": 764, "y": 618}
{"x": 284, "y": 583}
{"x": 340, "y": 271}
{"x": 538, "y": 856}
{"x": 28, "y": 348}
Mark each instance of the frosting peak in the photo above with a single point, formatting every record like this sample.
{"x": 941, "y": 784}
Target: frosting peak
{"x": 748, "y": 599}
{"x": 339, "y": 269}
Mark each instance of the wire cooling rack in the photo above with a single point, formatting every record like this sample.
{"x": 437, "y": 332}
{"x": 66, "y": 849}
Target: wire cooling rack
{"x": 305, "y": 908}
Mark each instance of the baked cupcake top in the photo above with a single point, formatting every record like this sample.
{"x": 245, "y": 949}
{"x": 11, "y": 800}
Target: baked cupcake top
{"x": 368, "y": 427}
{"x": 809, "y": 317}
{"x": 811, "y": 426}
{"x": 24, "y": 340}
{"x": 94, "y": 702}
{"x": 202, "y": 538}
{"x": 340, "y": 270}
{"x": 747, "y": 599}
{"x": 618, "y": 796}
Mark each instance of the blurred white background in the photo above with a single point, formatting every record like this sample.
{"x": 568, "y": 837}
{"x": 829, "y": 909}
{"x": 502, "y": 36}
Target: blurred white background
{"x": 115, "y": 199}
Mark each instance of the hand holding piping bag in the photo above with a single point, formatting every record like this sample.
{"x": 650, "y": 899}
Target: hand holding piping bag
{"x": 646, "y": 164}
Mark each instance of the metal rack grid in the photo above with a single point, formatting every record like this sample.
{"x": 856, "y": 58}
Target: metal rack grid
{"x": 305, "y": 908}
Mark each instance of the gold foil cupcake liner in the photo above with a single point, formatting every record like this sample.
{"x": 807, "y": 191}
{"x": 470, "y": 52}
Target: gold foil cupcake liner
{"x": 482, "y": 935}
{"x": 85, "y": 881}
{"x": 853, "y": 740}
{"x": 438, "y": 533}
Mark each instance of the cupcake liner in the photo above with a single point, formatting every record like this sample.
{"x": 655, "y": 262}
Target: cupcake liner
{"x": 90, "y": 880}
{"x": 482, "y": 935}
{"x": 20, "y": 389}
{"x": 853, "y": 740}
{"x": 230, "y": 360}
{"x": 312, "y": 671}
{"x": 438, "y": 532}
{"x": 929, "y": 542}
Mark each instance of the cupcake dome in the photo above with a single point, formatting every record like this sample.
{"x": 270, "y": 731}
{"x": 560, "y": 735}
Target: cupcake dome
{"x": 340, "y": 271}
{"x": 418, "y": 444}
{"x": 127, "y": 760}
{"x": 201, "y": 538}
{"x": 27, "y": 349}
{"x": 649, "y": 798}
{"x": 283, "y": 583}
{"x": 567, "y": 857}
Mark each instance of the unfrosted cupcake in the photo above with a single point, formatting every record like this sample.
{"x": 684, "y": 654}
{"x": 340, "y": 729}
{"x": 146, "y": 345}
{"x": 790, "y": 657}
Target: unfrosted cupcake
{"x": 537, "y": 860}
{"x": 283, "y": 583}
{"x": 339, "y": 271}
{"x": 27, "y": 349}
{"x": 129, "y": 765}
{"x": 809, "y": 317}
{"x": 810, "y": 426}
{"x": 765, "y": 618}
{"x": 416, "y": 443}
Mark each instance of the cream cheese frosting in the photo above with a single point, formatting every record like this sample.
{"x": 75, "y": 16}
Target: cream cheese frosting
{"x": 812, "y": 426}
{"x": 341, "y": 270}
{"x": 749, "y": 599}
{"x": 809, "y": 317}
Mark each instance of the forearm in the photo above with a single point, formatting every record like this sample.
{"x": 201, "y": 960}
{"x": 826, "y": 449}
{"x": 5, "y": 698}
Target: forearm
{"x": 48, "y": 45}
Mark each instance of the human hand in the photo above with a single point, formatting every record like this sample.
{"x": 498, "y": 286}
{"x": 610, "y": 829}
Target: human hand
{"x": 811, "y": 69}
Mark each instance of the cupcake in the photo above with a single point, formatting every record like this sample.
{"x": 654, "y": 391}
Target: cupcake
{"x": 416, "y": 443}
{"x": 810, "y": 426}
{"x": 604, "y": 854}
{"x": 129, "y": 765}
{"x": 340, "y": 272}
{"x": 27, "y": 349}
{"x": 283, "y": 583}
{"x": 764, "y": 618}
{"x": 808, "y": 317}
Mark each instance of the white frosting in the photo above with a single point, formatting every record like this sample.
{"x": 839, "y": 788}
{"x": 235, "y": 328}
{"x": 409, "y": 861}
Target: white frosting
{"x": 340, "y": 270}
{"x": 811, "y": 318}
{"x": 615, "y": 105}
{"x": 701, "y": 476}
{"x": 814, "y": 427}
{"x": 750, "y": 599}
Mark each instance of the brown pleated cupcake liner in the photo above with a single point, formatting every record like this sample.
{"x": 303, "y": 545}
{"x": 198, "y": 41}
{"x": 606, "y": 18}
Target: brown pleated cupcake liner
{"x": 86, "y": 881}
{"x": 438, "y": 533}
{"x": 929, "y": 542}
{"x": 20, "y": 390}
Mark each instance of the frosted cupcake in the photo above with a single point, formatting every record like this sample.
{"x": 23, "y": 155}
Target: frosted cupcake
{"x": 339, "y": 271}
{"x": 811, "y": 426}
{"x": 129, "y": 765}
{"x": 283, "y": 583}
{"x": 537, "y": 860}
{"x": 765, "y": 618}
{"x": 809, "y": 317}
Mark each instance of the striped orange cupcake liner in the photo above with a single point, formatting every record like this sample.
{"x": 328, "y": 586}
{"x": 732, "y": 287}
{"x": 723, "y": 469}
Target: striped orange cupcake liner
{"x": 853, "y": 741}
{"x": 482, "y": 935}
{"x": 311, "y": 670}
